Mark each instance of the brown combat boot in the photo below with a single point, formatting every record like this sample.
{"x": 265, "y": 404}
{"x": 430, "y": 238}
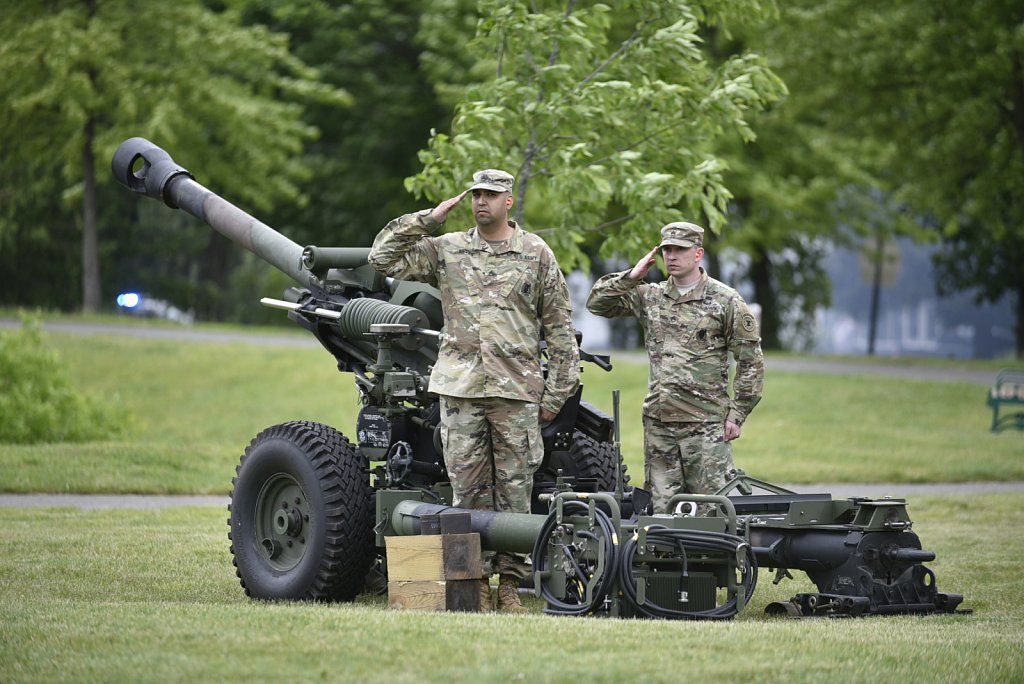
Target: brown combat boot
{"x": 508, "y": 594}
{"x": 486, "y": 604}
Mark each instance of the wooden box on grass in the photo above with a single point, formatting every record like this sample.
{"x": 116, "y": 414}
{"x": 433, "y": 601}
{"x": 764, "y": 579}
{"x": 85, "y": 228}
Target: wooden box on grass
{"x": 434, "y": 572}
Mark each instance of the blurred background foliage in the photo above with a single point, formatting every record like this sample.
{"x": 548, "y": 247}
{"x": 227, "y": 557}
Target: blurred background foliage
{"x": 782, "y": 127}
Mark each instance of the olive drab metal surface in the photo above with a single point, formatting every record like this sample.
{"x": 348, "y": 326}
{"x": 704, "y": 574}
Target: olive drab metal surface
{"x": 311, "y": 509}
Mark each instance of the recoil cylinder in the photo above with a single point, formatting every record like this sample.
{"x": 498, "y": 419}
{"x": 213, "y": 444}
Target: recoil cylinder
{"x": 359, "y": 314}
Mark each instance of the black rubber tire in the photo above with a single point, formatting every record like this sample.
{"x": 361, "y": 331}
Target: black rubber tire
{"x": 301, "y": 515}
{"x": 589, "y": 459}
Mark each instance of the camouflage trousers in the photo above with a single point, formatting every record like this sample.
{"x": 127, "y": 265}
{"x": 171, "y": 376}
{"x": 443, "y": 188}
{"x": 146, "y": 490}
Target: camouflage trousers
{"x": 684, "y": 458}
{"x": 492, "y": 448}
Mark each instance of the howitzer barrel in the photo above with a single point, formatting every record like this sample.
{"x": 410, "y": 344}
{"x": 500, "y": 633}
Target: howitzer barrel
{"x": 511, "y": 532}
{"x": 160, "y": 177}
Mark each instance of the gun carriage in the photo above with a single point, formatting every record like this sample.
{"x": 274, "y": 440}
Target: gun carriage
{"x": 311, "y": 510}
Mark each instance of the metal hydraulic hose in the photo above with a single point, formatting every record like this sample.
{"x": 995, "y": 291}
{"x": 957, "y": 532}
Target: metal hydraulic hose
{"x": 602, "y": 583}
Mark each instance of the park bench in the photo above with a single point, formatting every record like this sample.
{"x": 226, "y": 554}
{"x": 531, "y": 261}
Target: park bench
{"x": 1008, "y": 393}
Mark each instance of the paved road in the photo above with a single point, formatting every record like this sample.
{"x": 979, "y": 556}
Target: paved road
{"x": 837, "y": 490}
{"x": 103, "y": 501}
{"x": 301, "y": 339}
{"x": 177, "y": 334}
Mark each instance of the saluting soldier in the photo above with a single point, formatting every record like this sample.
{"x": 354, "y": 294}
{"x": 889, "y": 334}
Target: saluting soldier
{"x": 501, "y": 293}
{"x": 691, "y": 322}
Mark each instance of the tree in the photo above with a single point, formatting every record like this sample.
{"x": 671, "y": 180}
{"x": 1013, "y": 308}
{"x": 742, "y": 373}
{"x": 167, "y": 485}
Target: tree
{"x": 934, "y": 90}
{"x": 82, "y": 75}
{"x": 360, "y": 160}
{"x": 608, "y": 118}
{"x": 800, "y": 190}
{"x": 781, "y": 217}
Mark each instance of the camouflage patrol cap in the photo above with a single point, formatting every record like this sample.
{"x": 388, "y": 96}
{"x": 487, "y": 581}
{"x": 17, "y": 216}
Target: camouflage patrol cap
{"x": 682, "y": 234}
{"x": 493, "y": 179}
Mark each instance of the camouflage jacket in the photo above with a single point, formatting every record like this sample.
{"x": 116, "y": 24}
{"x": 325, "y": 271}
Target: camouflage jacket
{"x": 497, "y": 306}
{"x": 688, "y": 338}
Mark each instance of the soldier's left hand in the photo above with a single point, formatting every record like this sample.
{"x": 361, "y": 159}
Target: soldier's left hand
{"x": 546, "y": 416}
{"x": 732, "y": 431}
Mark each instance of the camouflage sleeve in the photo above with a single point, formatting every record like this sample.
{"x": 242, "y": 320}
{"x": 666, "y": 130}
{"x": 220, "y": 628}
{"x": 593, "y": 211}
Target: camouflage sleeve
{"x": 405, "y": 250}
{"x": 616, "y": 294}
{"x": 745, "y": 345}
{"x": 563, "y": 352}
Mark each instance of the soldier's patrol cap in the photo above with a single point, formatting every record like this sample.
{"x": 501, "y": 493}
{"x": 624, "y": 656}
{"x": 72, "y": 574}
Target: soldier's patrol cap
{"x": 493, "y": 179}
{"x": 682, "y": 234}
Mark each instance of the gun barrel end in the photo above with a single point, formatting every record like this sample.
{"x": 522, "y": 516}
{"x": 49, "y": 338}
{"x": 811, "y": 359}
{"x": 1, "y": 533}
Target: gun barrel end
{"x": 145, "y": 168}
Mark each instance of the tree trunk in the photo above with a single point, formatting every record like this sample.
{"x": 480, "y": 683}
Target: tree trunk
{"x": 712, "y": 264}
{"x": 764, "y": 294}
{"x": 1017, "y": 118}
{"x": 1020, "y": 322}
{"x": 90, "y": 242}
{"x": 216, "y": 264}
{"x": 91, "y": 297}
{"x": 876, "y": 290}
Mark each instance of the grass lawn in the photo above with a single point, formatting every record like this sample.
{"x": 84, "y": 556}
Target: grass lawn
{"x": 151, "y": 596}
{"x": 127, "y": 595}
{"x": 191, "y": 408}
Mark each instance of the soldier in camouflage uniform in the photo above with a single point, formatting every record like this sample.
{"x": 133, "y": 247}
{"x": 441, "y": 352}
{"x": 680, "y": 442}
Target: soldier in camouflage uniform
{"x": 501, "y": 291}
{"x": 691, "y": 322}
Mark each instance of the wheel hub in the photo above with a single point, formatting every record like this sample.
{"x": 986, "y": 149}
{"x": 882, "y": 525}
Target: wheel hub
{"x": 282, "y": 520}
{"x": 287, "y": 521}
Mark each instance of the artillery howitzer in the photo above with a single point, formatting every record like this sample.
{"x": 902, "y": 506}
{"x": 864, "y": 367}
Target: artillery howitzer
{"x": 311, "y": 510}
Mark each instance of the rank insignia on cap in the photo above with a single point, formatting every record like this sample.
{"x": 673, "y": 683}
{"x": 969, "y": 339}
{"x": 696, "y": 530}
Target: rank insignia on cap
{"x": 493, "y": 179}
{"x": 682, "y": 234}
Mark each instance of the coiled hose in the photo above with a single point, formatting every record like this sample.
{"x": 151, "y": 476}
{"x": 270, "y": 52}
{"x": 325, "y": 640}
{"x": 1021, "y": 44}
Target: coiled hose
{"x": 686, "y": 541}
{"x": 576, "y": 587}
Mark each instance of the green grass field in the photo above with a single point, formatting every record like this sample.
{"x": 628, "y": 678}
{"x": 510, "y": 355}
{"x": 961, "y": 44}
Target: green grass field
{"x": 151, "y": 596}
{"x": 193, "y": 406}
{"x": 127, "y": 595}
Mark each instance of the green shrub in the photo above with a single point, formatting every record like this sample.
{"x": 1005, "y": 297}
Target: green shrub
{"x": 37, "y": 400}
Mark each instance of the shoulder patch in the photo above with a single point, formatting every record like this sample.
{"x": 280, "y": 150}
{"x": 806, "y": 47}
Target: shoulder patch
{"x": 748, "y": 322}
